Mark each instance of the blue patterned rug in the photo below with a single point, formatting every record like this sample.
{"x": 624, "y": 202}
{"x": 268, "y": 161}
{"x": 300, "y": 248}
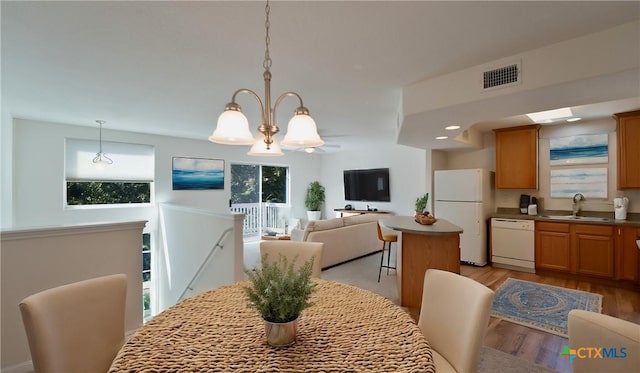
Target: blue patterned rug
{"x": 539, "y": 306}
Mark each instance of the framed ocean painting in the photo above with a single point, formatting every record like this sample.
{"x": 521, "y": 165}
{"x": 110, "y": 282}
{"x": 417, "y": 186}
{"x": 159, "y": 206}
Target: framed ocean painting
{"x": 197, "y": 173}
{"x": 579, "y": 149}
{"x": 591, "y": 182}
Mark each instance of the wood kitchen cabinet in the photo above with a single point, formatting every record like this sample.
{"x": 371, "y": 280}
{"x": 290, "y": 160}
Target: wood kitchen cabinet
{"x": 627, "y": 253}
{"x": 628, "y": 138}
{"x": 586, "y": 249}
{"x": 592, "y": 247}
{"x": 517, "y": 157}
{"x": 553, "y": 246}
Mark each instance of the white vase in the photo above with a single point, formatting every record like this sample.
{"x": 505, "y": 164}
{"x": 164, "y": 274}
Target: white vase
{"x": 313, "y": 215}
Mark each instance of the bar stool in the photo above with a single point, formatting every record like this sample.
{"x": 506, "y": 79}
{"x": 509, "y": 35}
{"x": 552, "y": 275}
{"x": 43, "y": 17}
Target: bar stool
{"x": 386, "y": 238}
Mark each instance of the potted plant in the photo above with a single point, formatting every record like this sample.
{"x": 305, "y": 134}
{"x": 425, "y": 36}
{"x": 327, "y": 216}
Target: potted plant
{"x": 314, "y": 200}
{"x": 280, "y": 292}
{"x": 421, "y": 203}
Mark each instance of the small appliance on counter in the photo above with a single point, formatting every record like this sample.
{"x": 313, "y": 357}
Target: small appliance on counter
{"x": 525, "y": 201}
{"x": 620, "y": 206}
{"x": 532, "y": 209}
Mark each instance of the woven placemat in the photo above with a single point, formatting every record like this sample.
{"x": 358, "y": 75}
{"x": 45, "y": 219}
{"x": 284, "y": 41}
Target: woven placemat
{"x": 347, "y": 329}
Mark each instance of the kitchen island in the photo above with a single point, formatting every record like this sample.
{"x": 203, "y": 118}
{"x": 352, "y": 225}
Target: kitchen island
{"x": 421, "y": 247}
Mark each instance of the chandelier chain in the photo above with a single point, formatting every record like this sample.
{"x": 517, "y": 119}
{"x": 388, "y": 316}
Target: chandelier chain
{"x": 267, "y": 58}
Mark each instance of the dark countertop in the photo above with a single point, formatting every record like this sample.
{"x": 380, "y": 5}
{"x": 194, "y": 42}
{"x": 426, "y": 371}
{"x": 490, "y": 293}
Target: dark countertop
{"x": 633, "y": 219}
{"x": 409, "y": 225}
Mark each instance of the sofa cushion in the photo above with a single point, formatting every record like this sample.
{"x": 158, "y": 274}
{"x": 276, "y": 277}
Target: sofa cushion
{"x": 321, "y": 225}
{"x": 360, "y": 219}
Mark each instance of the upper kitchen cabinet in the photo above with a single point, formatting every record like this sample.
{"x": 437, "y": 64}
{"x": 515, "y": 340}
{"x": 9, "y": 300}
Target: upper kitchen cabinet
{"x": 628, "y": 134}
{"x": 517, "y": 157}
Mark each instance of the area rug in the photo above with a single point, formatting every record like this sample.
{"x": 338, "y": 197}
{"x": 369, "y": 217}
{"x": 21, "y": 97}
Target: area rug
{"x": 540, "y": 306}
{"x": 492, "y": 360}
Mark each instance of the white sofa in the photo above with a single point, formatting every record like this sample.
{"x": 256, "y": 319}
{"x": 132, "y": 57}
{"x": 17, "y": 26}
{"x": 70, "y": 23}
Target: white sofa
{"x": 344, "y": 238}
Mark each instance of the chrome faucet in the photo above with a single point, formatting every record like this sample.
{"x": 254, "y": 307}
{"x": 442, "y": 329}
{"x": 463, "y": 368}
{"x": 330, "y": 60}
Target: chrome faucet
{"x": 576, "y": 203}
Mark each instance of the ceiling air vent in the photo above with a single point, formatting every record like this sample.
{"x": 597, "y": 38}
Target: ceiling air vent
{"x": 500, "y": 77}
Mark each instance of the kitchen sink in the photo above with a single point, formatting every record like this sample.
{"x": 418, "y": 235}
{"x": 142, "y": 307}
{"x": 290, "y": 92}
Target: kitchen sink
{"x": 578, "y": 218}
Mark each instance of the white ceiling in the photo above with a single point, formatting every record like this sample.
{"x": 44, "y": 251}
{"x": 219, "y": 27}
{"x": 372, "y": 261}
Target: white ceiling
{"x": 169, "y": 67}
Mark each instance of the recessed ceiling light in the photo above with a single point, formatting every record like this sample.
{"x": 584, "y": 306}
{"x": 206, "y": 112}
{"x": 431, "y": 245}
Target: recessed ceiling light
{"x": 573, "y": 119}
{"x": 542, "y": 116}
{"x": 451, "y": 128}
{"x": 442, "y": 137}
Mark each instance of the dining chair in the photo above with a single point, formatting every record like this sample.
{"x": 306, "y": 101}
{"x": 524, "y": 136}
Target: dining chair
{"x": 386, "y": 239}
{"x": 292, "y": 249}
{"x": 591, "y": 329}
{"x": 453, "y": 317}
{"x": 77, "y": 327}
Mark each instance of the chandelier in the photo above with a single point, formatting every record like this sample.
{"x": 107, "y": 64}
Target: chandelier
{"x": 101, "y": 159}
{"x": 233, "y": 127}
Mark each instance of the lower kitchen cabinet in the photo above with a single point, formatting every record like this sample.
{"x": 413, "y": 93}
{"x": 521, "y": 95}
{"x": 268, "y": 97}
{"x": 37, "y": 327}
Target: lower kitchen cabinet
{"x": 553, "y": 246}
{"x": 593, "y": 246}
{"x": 587, "y": 249}
{"x": 627, "y": 259}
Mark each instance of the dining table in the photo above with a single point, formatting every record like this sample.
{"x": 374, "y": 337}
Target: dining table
{"x": 346, "y": 329}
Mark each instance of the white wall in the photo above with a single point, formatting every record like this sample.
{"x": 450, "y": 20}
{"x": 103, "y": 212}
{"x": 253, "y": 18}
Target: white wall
{"x": 38, "y": 177}
{"x": 212, "y": 259}
{"x": 598, "y": 54}
{"x": 407, "y": 176}
{"x": 37, "y": 259}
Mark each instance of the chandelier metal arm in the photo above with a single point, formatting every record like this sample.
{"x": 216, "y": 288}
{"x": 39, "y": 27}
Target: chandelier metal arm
{"x": 300, "y": 110}
{"x": 252, "y": 93}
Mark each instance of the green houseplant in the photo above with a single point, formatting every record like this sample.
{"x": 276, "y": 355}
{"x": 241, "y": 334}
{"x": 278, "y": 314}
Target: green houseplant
{"x": 280, "y": 292}
{"x": 314, "y": 199}
{"x": 421, "y": 203}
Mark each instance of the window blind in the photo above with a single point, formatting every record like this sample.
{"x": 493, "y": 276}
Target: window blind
{"x": 131, "y": 162}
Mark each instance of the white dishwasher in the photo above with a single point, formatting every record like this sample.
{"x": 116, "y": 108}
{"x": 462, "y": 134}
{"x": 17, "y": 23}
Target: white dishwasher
{"x": 513, "y": 244}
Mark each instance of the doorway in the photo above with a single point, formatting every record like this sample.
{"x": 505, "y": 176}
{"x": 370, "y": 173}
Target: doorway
{"x": 261, "y": 192}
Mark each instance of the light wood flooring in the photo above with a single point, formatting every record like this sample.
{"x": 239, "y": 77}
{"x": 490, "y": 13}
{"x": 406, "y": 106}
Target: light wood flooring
{"x": 537, "y": 346}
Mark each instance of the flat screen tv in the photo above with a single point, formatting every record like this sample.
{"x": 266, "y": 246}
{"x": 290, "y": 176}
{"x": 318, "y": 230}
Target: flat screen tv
{"x": 370, "y": 185}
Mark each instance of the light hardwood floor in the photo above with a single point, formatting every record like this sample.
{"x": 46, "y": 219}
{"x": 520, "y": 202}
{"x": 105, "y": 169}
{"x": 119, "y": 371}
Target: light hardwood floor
{"x": 537, "y": 346}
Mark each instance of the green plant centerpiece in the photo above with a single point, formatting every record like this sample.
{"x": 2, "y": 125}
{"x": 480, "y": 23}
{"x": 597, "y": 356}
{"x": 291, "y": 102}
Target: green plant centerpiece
{"x": 314, "y": 199}
{"x": 421, "y": 203}
{"x": 280, "y": 292}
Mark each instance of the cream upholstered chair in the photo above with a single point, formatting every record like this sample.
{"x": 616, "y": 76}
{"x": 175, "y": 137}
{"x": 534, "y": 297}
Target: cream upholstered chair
{"x": 290, "y": 249}
{"x": 453, "y": 317}
{"x": 386, "y": 239}
{"x": 591, "y": 329}
{"x": 77, "y": 327}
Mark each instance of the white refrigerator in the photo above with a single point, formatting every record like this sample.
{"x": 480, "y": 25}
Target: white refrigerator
{"x": 465, "y": 198}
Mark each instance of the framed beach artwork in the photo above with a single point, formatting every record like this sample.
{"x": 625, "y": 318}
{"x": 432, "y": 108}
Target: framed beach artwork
{"x": 197, "y": 173}
{"x": 591, "y": 182}
{"x": 579, "y": 149}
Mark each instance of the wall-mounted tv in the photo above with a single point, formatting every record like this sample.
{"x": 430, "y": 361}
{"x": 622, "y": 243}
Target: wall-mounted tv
{"x": 370, "y": 185}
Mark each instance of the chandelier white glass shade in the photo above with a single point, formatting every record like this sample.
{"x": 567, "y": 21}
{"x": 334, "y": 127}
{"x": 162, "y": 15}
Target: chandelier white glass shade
{"x": 101, "y": 159}
{"x": 233, "y": 127}
{"x": 260, "y": 149}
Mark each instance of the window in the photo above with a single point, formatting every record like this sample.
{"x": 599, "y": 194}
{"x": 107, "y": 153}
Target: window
{"x": 129, "y": 180}
{"x": 262, "y": 194}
